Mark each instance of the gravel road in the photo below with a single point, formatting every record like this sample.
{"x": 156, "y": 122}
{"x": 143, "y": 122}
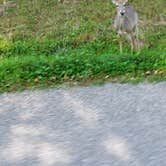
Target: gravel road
{"x": 109, "y": 125}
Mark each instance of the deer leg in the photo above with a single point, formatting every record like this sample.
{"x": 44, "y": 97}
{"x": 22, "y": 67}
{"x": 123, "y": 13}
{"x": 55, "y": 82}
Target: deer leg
{"x": 132, "y": 43}
{"x": 120, "y": 42}
{"x": 131, "y": 40}
{"x": 136, "y": 39}
{"x": 136, "y": 43}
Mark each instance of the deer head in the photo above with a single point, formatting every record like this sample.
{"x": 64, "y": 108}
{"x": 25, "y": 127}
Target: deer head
{"x": 120, "y": 4}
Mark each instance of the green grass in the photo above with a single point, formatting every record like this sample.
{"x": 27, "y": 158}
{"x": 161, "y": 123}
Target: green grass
{"x": 45, "y": 43}
{"x": 79, "y": 64}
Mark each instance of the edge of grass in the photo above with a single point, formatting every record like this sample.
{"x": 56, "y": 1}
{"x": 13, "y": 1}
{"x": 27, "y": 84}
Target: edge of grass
{"x": 83, "y": 65}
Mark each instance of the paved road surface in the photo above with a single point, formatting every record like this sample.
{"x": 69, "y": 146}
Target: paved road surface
{"x": 111, "y": 125}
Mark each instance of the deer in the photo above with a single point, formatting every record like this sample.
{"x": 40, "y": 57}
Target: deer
{"x": 126, "y": 23}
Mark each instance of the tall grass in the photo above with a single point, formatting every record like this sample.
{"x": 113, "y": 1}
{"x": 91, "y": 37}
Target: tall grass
{"x": 46, "y": 42}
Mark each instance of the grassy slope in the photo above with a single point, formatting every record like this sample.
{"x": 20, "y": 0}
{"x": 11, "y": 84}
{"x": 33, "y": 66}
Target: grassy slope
{"x": 45, "y": 42}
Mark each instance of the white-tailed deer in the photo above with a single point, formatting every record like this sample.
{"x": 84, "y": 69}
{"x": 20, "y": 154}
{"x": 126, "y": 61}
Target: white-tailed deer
{"x": 126, "y": 22}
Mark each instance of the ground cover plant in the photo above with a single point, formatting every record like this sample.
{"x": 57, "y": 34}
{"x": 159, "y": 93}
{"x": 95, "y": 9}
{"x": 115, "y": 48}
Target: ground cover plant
{"x": 45, "y": 43}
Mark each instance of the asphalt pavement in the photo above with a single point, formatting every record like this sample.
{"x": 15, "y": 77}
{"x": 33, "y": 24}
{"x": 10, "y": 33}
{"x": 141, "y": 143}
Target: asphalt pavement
{"x": 109, "y": 125}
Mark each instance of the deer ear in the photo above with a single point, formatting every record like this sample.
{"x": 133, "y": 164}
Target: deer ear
{"x": 114, "y": 2}
{"x": 125, "y": 1}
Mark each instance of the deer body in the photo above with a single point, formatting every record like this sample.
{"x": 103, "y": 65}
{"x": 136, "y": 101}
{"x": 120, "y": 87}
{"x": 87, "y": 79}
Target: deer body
{"x": 126, "y": 22}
